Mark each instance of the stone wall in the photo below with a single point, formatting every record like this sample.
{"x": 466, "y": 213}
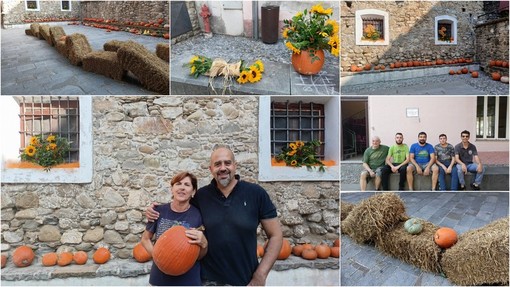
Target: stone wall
{"x": 411, "y": 25}
{"x": 492, "y": 43}
{"x": 13, "y": 12}
{"x": 126, "y": 10}
{"x": 139, "y": 144}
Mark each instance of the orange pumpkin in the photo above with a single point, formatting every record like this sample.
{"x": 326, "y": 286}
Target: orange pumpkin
{"x": 439, "y": 61}
{"x": 376, "y": 68}
{"x": 496, "y": 76}
{"x": 404, "y": 64}
{"x": 459, "y": 72}
{"x": 23, "y": 256}
{"x": 140, "y": 253}
{"x": 303, "y": 64}
{"x": 336, "y": 243}
{"x": 335, "y": 252}
{"x": 50, "y": 259}
{"x": 166, "y": 36}
{"x": 285, "y": 250}
{"x": 80, "y": 257}
{"x": 65, "y": 258}
{"x": 354, "y": 68}
{"x": 182, "y": 255}
{"x": 398, "y": 65}
{"x": 464, "y": 70}
{"x": 492, "y": 63}
{"x": 499, "y": 63}
{"x": 392, "y": 65}
{"x": 504, "y": 64}
{"x": 4, "y": 260}
{"x": 309, "y": 254}
{"x": 445, "y": 237}
{"x": 474, "y": 74}
{"x": 452, "y": 72}
{"x": 383, "y": 67}
{"x": 308, "y": 246}
{"x": 101, "y": 256}
{"x": 297, "y": 250}
{"x": 260, "y": 251}
{"x": 323, "y": 251}
{"x": 368, "y": 67}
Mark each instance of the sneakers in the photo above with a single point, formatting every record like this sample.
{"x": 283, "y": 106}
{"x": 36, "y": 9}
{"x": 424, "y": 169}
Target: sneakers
{"x": 475, "y": 186}
{"x": 462, "y": 187}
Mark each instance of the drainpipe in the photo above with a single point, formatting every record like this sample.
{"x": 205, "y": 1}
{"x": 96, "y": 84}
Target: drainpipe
{"x": 255, "y": 16}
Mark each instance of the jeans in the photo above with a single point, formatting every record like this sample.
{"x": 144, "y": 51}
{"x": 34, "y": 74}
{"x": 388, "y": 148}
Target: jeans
{"x": 386, "y": 176}
{"x": 442, "y": 177}
{"x": 472, "y": 169}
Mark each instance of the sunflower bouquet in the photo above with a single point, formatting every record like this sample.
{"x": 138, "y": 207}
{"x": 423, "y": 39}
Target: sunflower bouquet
{"x": 312, "y": 29}
{"x": 370, "y": 33}
{"x": 443, "y": 36}
{"x": 46, "y": 151}
{"x": 299, "y": 154}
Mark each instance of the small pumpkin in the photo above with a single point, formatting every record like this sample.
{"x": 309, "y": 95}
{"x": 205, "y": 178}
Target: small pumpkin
{"x": 50, "y": 259}
{"x": 101, "y": 256}
{"x": 166, "y": 36}
{"x": 452, "y": 72}
{"x": 23, "y": 256}
{"x": 183, "y": 255}
{"x": 474, "y": 74}
{"x": 392, "y": 65}
{"x": 499, "y": 63}
{"x": 140, "y": 253}
{"x": 354, "y": 68}
{"x": 297, "y": 250}
{"x": 260, "y": 251}
{"x": 309, "y": 254}
{"x": 336, "y": 243}
{"x": 404, "y": 64}
{"x": 459, "y": 72}
{"x": 398, "y": 65}
{"x": 383, "y": 67}
{"x": 308, "y": 246}
{"x": 410, "y": 63}
{"x": 368, "y": 67}
{"x": 464, "y": 70}
{"x": 413, "y": 226}
{"x": 504, "y": 64}
{"x": 285, "y": 250}
{"x": 492, "y": 63}
{"x": 323, "y": 251}
{"x": 439, "y": 61}
{"x": 496, "y": 76}
{"x": 4, "y": 260}
{"x": 335, "y": 252}
{"x": 376, "y": 68}
{"x": 65, "y": 258}
{"x": 80, "y": 257}
{"x": 445, "y": 237}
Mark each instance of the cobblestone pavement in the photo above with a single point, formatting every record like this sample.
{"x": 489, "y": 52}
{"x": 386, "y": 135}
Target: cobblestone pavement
{"x": 364, "y": 265}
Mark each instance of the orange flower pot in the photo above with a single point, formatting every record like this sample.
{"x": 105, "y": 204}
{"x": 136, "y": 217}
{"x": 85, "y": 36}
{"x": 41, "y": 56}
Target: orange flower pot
{"x": 302, "y": 62}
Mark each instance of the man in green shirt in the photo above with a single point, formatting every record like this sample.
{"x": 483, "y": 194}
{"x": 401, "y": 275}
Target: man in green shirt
{"x": 373, "y": 162}
{"x": 396, "y": 161}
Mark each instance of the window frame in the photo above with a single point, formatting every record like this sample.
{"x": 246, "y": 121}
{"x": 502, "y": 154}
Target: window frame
{"x": 32, "y": 9}
{"x": 62, "y": 6}
{"x": 485, "y": 119}
{"x": 449, "y": 20}
{"x": 372, "y": 13}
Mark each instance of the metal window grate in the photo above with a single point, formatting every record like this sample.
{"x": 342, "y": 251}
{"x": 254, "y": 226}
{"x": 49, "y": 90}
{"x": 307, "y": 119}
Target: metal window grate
{"x": 65, "y": 5}
{"x": 448, "y": 31}
{"x": 296, "y": 121}
{"x": 378, "y": 24}
{"x": 50, "y": 115}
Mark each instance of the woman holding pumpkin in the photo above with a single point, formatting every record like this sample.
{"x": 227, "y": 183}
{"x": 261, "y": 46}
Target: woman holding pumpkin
{"x": 178, "y": 212}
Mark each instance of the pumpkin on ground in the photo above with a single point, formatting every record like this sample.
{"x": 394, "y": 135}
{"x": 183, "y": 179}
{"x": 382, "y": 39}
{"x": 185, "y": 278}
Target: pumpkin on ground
{"x": 496, "y": 76}
{"x": 445, "y": 237}
{"x": 80, "y": 257}
{"x": 309, "y": 254}
{"x": 464, "y": 70}
{"x": 323, "y": 251}
{"x": 474, "y": 74}
{"x": 285, "y": 250}
{"x": 452, "y": 72}
{"x": 49, "y": 259}
{"x": 260, "y": 251}
{"x": 23, "y": 256}
{"x": 492, "y": 63}
{"x": 308, "y": 246}
{"x": 499, "y": 63}
{"x": 297, "y": 249}
{"x": 368, "y": 67}
{"x": 335, "y": 252}
{"x": 336, "y": 243}
{"x": 354, "y": 68}
{"x": 4, "y": 260}
{"x": 140, "y": 253}
{"x": 413, "y": 226}
{"x": 65, "y": 258}
{"x": 173, "y": 254}
{"x": 101, "y": 256}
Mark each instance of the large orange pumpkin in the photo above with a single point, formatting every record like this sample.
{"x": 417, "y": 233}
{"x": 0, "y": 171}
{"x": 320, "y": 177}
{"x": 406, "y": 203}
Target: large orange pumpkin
{"x": 260, "y": 251}
{"x": 336, "y": 243}
{"x": 445, "y": 237}
{"x": 303, "y": 64}
{"x": 474, "y": 74}
{"x": 50, "y": 259}
{"x": 101, "y": 256}
{"x": 140, "y": 253}
{"x": 80, "y": 257}
{"x": 335, "y": 252}
{"x": 297, "y": 250}
{"x": 4, "y": 260}
{"x": 309, "y": 254}
{"x": 496, "y": 76}
{"x": 285, "y": 250}
{"x": 65, "y": 258}
{"x": 173, "y": 254}
{"x": 323, "y": 251}
{"x": 23, "y": 256}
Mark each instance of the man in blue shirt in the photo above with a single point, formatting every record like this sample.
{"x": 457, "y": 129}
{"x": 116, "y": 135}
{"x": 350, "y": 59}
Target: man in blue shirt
{"x": 422, "y": 157}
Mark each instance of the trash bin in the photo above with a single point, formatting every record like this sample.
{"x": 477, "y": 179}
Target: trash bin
{"x": 269, "y": 27}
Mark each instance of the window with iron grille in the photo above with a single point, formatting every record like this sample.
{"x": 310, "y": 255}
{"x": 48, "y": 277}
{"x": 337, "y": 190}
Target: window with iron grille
{"x": 492, "y": 117}
{"x": 373, "y": 28}
{"x": 32, "y": 5}
{"x": 445, "y": 31}
{"x": 51, "y": 115}
{"x": 291, "y": 122}
{"x": 65, "y": 5}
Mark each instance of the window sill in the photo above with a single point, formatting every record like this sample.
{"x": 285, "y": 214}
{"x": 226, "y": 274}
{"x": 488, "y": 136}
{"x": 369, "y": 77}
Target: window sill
{"x": 269, "y": 172}
{"x": 282, "y": 163}
{"x": 25, "y": 164}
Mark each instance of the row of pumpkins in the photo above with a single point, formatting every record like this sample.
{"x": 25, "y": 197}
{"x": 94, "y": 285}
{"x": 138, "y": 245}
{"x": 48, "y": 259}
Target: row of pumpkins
{"x": 411, "y": 63}
{"x": 306, "y": 250}
{"x": 498, "y": 63}
{"x": 444, "y": 237}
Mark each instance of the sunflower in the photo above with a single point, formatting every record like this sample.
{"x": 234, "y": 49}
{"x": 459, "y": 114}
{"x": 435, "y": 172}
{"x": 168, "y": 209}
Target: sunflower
{"x": 298, "y": 14}
{"x": 292, "y": 48}
{"x": 243, "y": 77}
{"x": 51, "y": 139}
{"x": 333, "y": 43}
{"x": 34, "y": 141}
{"x": 293, "y": 163}
{"x": 320, "y": 10}
{"x": 259, "y": 65}
{"x": 334, "y": 24}
{"x": 254, "y": 75}
{"x": 299, "y": 144}
{"x": 195, "y": 58}
{"x": 193, "y": 70}
{"x": 291, "y": 153}
{"x": 30, "y": 150}
{"x": 285, "y": 33}
{"x": 293, "y": 146}
{"x": 51, "y": 146}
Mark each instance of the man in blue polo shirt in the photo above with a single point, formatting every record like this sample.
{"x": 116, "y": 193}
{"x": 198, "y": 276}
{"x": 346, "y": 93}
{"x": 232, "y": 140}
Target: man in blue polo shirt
{"x": 231, "y": 212}
{"x": 422, "y": 157}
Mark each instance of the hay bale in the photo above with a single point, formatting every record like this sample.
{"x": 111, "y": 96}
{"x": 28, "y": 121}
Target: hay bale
{"x": 480, "y": 257}
{"x": 35, "y": 29}
{"x": 163, "y": 51}
{"x": 373, "y": 216}
{"x": 44, "y": 33}
{"x": 419, "y": 250}
{"x": 56, "y": 32}
{"x": 62, "y": 48}
{"x": 105, "y": 63}
{"x": 345, "y": 209}
{"x": 28, "y": 32}
{"x": 78, "y": 47}
{"x": 151, "y": 71}
{"x": 113, "y": 45}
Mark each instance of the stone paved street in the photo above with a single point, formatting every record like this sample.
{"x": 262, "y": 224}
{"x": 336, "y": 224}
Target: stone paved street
{"x": 364, "y": 265}
{"x": 32, "y": 67}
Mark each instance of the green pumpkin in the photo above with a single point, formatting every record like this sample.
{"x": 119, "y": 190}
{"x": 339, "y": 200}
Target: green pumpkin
{"x": 413, "y": 226}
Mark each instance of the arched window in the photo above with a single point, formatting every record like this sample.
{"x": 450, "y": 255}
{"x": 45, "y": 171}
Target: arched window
{"x": 372, "y": 27}
{"x": 445, "y": 30}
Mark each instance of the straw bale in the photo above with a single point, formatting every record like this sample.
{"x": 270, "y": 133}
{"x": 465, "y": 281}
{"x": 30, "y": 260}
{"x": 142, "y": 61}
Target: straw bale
{"x": 153, "y": 73}
{"x": 62, "y": 48}
{"x": 480, "y": 257}
{"x": 28, "y": 32}
{"x": 35, "y": 29}
{"x": 44, "y": 33}
{"x": 78, "y": 47}
{"x": 105, "y": 63}
{"x": 372, "y": 216}
{"x": 163, "y": 51}
{"x": 113, "y": 45}
{"x": 345, "y": 209}
{"x": 56, "y": 32}
{"x": 419, "y": 250}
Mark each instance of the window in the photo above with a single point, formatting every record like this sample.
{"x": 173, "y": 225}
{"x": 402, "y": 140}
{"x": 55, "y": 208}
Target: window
{"x": 492, "y": 117}
{"x": 291, "y": 122}
{"x": 65, "y": 5}
{"x": 445, "y": 30}
{"x": 50, "y": 115}
{"x": 282, "y": 120}
{"x": 372, "y": 27}
{"x": 69, "y": 117}
{"x": 32, "y": 5}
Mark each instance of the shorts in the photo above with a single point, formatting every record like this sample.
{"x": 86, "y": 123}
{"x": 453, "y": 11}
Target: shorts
{"x": 378, "y": 172}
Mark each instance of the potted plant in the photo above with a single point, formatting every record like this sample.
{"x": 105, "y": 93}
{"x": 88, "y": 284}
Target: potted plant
{"x": 307, "y": 34}
{"x": 46, "y": 151}
{"x": 299, "y": 154}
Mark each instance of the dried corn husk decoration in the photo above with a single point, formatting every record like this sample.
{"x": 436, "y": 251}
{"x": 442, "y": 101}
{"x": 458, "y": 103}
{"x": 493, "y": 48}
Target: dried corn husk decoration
{"x": 221, "y": 67}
